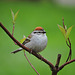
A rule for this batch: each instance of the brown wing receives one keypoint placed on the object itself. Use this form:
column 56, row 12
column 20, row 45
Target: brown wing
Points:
column 27, row 39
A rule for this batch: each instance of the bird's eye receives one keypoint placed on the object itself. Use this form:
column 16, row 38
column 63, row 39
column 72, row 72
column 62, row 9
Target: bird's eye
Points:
column 39, row 32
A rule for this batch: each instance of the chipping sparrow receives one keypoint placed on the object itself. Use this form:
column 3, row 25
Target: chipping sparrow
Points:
column 36, row 41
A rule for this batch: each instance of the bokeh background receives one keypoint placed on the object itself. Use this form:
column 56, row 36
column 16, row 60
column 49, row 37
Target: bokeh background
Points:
column 33, row 13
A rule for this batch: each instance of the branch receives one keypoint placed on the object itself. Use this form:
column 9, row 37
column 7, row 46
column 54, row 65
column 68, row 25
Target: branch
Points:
column 69, row 45
column 58, row 61
column 27, row 49
column 57, row 65
column 62, row 66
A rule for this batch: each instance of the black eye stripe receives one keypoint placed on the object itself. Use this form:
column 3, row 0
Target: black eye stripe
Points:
column 39, row 32
column 44, row 32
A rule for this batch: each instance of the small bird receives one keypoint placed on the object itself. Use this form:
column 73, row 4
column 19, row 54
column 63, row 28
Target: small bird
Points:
column 36, row 41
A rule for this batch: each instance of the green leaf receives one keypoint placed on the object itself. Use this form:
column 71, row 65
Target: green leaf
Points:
column 22, row 40
column 68, row 31
column 16, row 15
column 12, row 17
column 62, row 30
column 12, row 14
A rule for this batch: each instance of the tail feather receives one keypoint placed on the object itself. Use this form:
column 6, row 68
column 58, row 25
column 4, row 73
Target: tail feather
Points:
column 20, row 49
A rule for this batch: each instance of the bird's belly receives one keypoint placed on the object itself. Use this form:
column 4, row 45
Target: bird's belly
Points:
column 37, row 45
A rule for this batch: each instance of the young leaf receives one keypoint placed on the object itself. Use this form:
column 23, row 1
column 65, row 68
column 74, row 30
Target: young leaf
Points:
column 12, row 14
column 68, row 31
column 62, row 30
column 16, row 15
column 22, row 40
column 12, row 17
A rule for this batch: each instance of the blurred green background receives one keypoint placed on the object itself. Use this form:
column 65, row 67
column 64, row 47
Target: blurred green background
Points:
column 33, row 14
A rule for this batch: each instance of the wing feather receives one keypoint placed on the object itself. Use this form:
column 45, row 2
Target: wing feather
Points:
column 27, row 39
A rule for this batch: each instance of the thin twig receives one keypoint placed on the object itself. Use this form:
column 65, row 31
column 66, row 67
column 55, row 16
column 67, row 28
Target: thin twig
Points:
column 69, row 56
column 13, row 32
column 13, row 29
column 70, row 52
column 30, row 63
column 63, row 23
column 61, row 67
column 67, row 44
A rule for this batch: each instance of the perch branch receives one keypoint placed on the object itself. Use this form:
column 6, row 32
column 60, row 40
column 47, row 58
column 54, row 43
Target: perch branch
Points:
column 27, row 49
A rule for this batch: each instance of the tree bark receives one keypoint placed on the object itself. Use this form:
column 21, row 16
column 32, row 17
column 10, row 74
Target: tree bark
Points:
column 54, row 73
